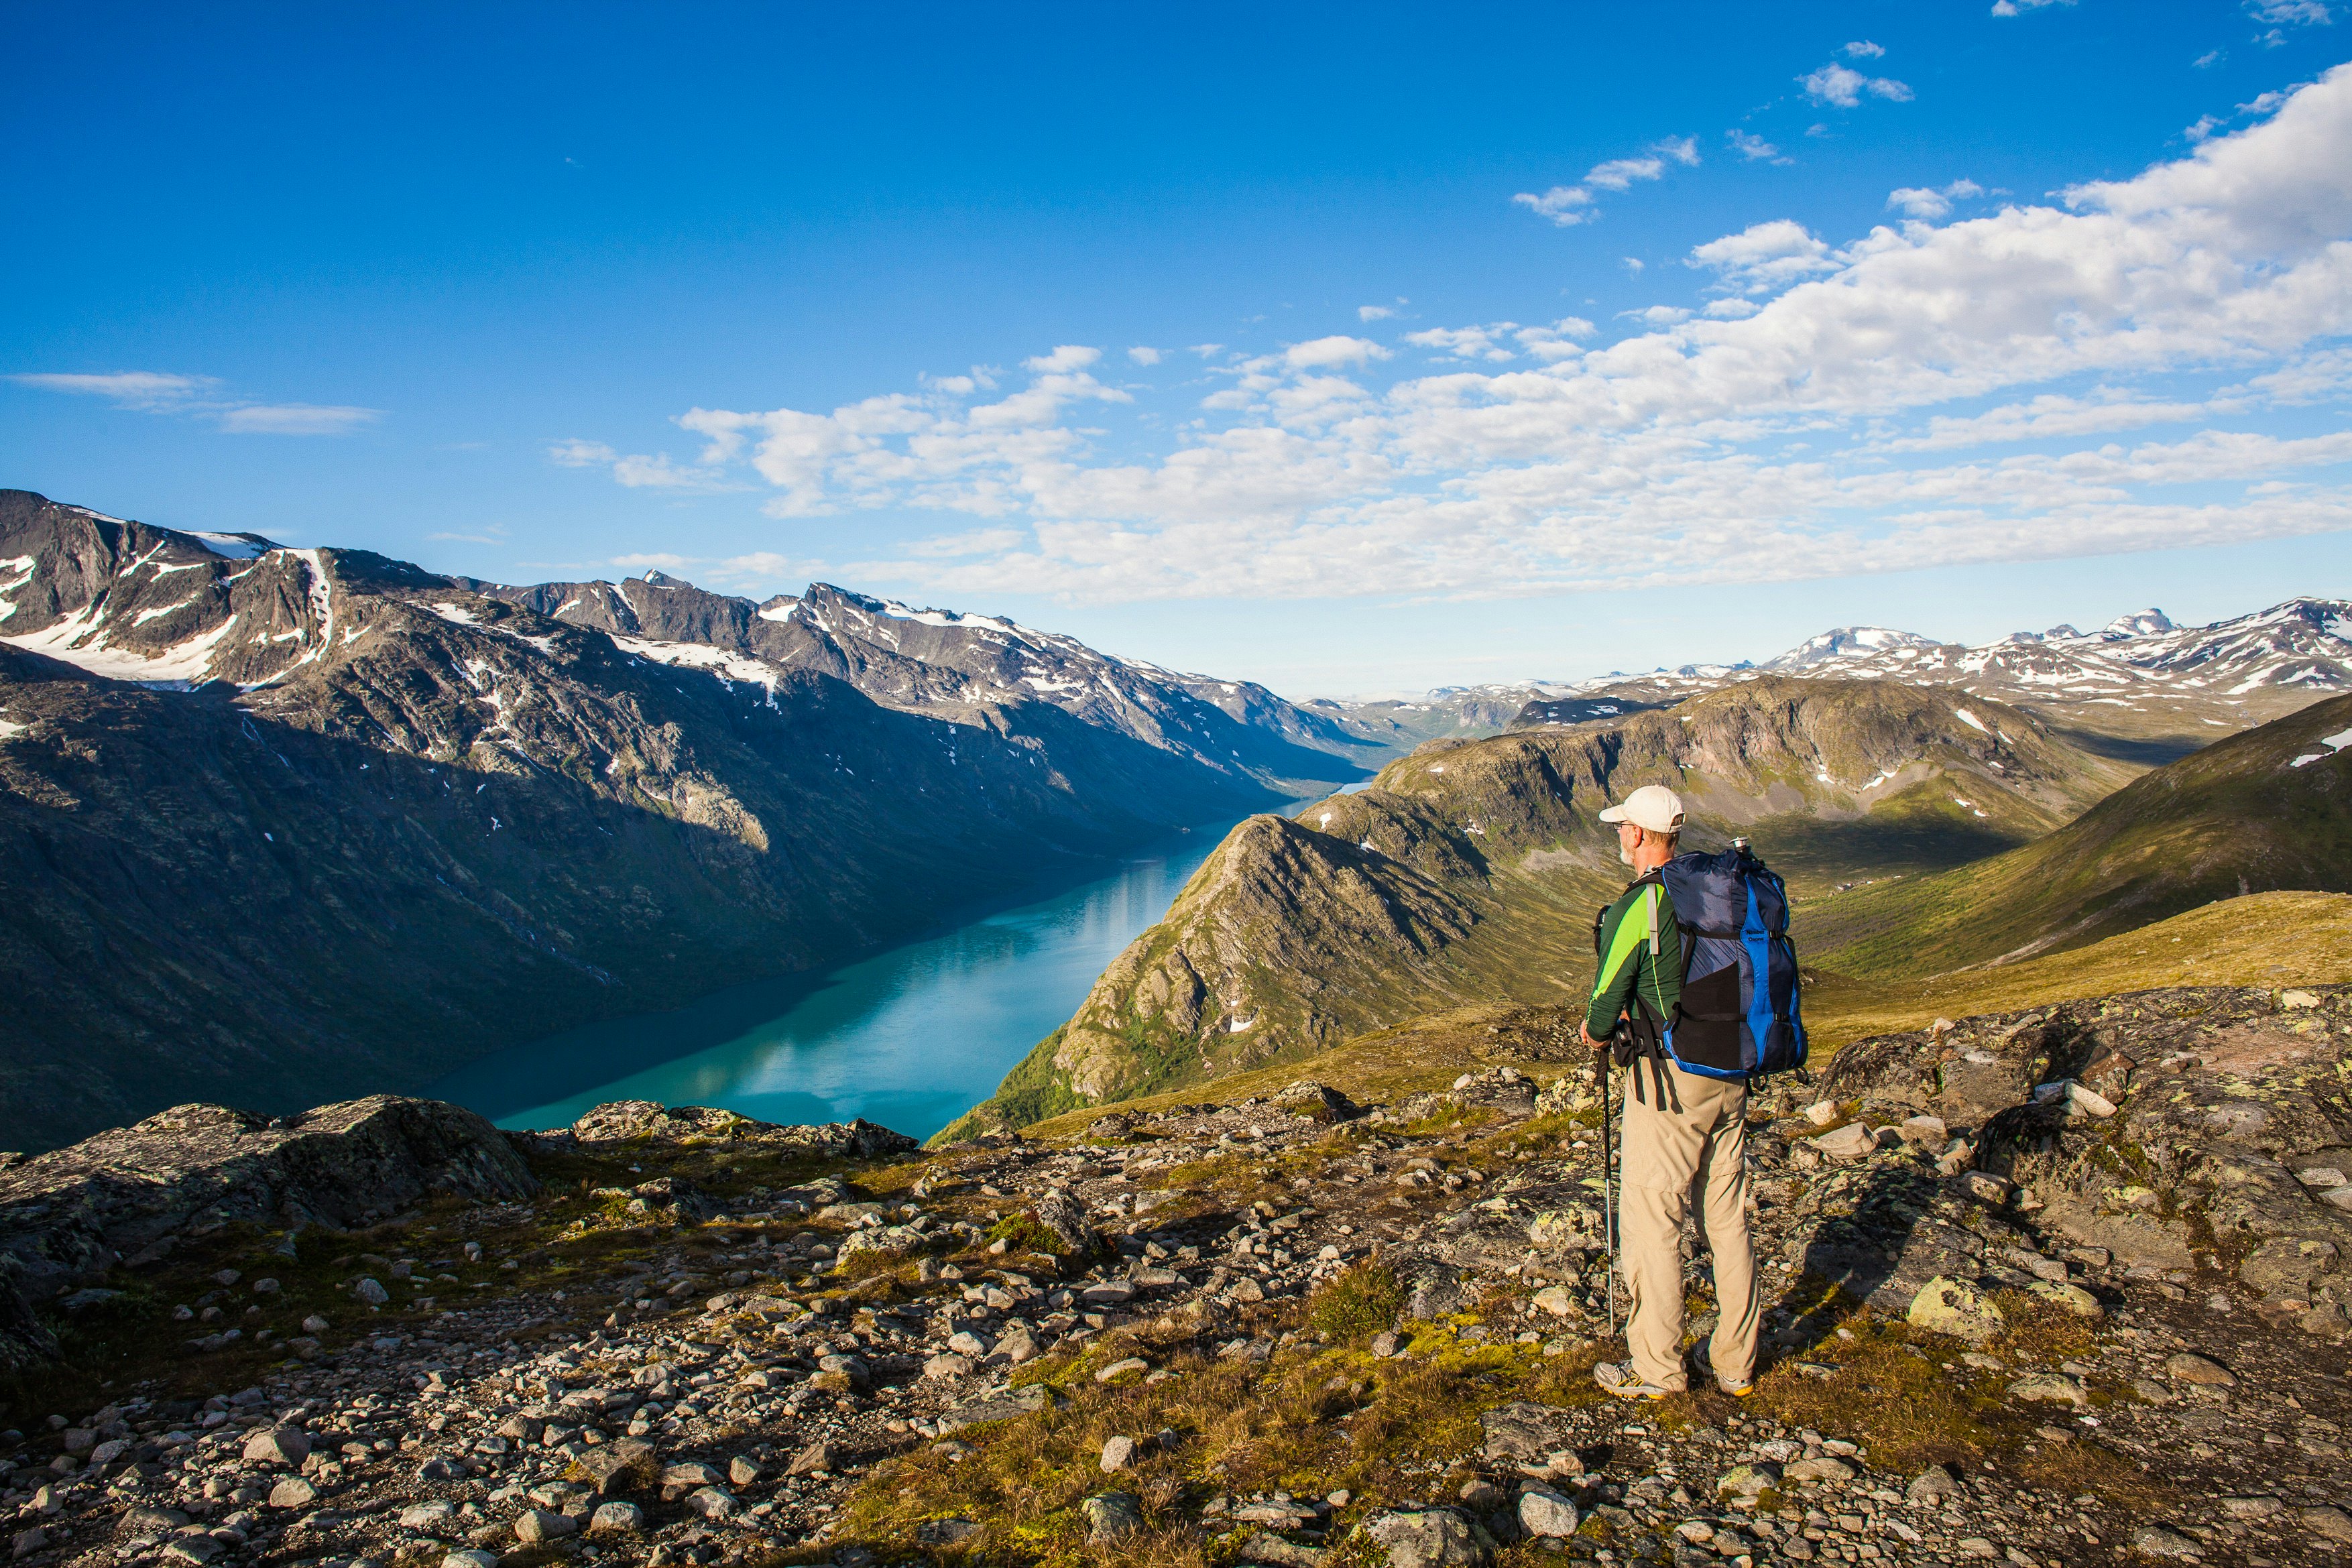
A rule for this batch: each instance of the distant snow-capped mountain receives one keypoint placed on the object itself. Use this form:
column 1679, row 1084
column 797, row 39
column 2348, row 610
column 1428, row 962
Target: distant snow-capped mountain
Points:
column 2303, row 644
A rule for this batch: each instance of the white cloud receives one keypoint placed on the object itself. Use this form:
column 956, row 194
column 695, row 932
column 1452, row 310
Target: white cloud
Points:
column 1322, row 353
column 1917, row 395
column 1844, row 86
column 2018, row 8
column 1068, row 357
column 1467, row 343
column 160, row 392
column 1765, row 257
column 2209, row 60
column 126, row 389
column 1144, row 356
column 577, row 453
column 1753, row 148
column 660, row 473
column 1920, row 203
column 1374, row 312
column 1567, row 205
column 1863, row 49
column 657, row 560
column 296, row 418
column 2291, row 13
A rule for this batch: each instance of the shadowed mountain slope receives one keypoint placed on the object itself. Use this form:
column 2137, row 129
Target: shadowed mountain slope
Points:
column 2264, row 811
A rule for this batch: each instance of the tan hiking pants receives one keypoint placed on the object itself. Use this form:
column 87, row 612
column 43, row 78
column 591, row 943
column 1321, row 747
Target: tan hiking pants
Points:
column 1685, row 1134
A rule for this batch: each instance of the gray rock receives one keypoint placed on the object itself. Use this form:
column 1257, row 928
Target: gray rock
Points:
column 713, row 1502
column 1113, row 1515
column 742, row 1472
column 368, row 1290
column 1932, row 1483
column 615, row 1517
column 535, row 1526
column 979, row 1412
column 817, row 1459
column 1118, row 1453
column 425, row 1516
column 473, row 1557
column 945, row 1532
column 1748, row 1480
column 277, row 1445
column 2051, row 1388
column 2190, row 1367
column 2254, row 1505
column 1546, row 1515
column 611, row 1465
column 1058, row 1212
column 1430, row 1538
column 1523, row 1433
column 947, row 1363
column 293, row 1492
column 2163, row 1541
column 1386, row 1343
column 1850, row 1142
column 1822, row 1468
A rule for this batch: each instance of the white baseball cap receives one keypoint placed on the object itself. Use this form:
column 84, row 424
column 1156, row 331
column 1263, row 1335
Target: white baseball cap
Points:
column 1653, row 806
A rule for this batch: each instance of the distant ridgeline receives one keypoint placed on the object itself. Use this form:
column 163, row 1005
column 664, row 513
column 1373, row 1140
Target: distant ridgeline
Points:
column 285, row 826
column 1922, row 827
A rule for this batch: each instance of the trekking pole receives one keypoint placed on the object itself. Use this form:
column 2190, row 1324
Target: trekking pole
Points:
column 1608, row 1181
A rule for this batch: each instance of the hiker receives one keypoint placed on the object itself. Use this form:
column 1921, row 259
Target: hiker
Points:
column 1682, row 1132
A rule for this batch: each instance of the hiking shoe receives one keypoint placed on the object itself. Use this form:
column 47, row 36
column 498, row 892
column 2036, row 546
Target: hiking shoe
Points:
column 1701, row 1370
column 1622, row 1382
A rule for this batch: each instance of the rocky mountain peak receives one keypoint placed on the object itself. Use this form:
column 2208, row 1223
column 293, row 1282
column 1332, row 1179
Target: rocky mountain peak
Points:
column 2149, row 622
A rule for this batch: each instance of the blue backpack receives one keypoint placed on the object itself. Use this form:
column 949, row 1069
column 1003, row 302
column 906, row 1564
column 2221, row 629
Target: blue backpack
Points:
column 1739, row 1015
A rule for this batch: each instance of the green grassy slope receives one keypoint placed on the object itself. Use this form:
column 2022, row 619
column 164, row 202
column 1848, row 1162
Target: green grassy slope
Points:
column 2238, row 816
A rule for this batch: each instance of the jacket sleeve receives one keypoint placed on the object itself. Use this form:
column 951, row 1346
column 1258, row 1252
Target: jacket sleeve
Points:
column 1624, row 951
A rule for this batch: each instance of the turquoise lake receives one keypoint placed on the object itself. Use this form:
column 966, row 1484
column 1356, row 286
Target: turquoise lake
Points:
column 912, row 1037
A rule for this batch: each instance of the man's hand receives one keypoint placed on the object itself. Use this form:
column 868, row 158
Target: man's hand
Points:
column 1585, row 1029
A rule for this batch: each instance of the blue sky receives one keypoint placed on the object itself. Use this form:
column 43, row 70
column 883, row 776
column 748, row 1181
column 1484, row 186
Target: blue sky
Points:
column 1351, row 349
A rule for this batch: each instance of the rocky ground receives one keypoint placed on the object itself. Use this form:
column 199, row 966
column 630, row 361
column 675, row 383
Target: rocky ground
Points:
column 2008, row 1322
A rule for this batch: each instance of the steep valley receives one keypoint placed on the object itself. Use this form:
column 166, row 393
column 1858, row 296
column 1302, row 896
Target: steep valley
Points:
column 279, row 825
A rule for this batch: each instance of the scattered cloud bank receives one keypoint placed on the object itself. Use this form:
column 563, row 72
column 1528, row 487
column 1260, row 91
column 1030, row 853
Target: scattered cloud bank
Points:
column 2102, row 371
column 162, row 391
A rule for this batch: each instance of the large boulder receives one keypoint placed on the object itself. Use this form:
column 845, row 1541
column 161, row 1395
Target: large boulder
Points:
column 66, row 1217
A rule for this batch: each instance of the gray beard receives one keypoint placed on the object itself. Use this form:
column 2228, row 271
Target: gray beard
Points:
column 1624, row 855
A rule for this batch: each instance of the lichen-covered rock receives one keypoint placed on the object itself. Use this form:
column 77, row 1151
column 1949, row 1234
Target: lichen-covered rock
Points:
column 1430, row 1538
column 1948, row 1306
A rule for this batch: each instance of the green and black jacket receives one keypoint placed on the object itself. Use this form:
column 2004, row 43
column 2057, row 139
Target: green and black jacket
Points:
column 1634, row 979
